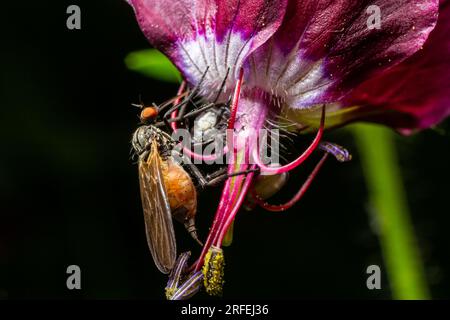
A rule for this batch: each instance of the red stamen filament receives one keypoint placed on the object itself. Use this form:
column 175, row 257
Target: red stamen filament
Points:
column 231, row 201
column 226, row 201
column 234, row 105
column 223, row 205
column 236, row 207
column 174, row 114
column 298, row 195
column 294, row 164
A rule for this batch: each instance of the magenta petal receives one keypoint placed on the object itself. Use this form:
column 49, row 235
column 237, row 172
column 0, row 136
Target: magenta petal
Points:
column 417, row 90
column 324, row 48
column 214, row 34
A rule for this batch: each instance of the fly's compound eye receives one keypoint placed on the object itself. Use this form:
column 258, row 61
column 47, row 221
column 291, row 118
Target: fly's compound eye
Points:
column 148, row 114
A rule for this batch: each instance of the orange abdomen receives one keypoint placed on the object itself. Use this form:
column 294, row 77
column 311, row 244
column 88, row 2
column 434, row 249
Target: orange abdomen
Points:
column 180, row 190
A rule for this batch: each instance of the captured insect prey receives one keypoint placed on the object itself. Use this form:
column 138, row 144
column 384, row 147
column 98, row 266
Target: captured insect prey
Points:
column 169, row 186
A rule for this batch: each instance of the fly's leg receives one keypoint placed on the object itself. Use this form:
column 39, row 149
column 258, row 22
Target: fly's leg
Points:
column 203, row 182
column 214, row 181
column 182, row 115
column 192, row 229
column 215, row 178
column 182, row 106
column 187, row 99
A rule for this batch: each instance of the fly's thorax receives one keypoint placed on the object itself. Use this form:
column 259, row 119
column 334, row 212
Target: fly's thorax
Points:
column 144, row 136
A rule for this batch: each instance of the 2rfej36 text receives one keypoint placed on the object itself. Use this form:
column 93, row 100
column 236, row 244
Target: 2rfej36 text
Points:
column 227, row 310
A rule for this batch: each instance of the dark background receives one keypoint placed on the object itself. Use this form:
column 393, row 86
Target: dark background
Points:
column 69, row 192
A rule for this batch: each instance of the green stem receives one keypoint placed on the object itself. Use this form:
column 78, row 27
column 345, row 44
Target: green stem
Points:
column 383, row 178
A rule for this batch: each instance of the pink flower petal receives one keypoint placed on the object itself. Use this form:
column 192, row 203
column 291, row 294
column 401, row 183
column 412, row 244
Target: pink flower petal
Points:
column 214, row 34
column 416, row 93
column 324, row 48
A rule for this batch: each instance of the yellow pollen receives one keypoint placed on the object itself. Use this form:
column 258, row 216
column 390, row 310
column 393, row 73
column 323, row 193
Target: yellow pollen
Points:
column 213, row 271
column 170, row 292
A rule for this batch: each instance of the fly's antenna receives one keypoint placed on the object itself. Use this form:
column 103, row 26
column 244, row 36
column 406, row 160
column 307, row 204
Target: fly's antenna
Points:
column 139, row 105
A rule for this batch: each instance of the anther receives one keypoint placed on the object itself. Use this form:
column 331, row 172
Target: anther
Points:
column 213, row 271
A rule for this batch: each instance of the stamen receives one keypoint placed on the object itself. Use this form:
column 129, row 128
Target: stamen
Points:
column 340, row 153
column 176, row 274
column 231, row 198
column 225, row 199
column 236, row 207
column 234, row 105
column 213, row 271
column 298, row 195
column 223, row 205
column 190, row 287
column 174, row 125
column 299, row 160
column 234, row 200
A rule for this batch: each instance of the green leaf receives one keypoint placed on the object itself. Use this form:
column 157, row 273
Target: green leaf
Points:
column 152, row 63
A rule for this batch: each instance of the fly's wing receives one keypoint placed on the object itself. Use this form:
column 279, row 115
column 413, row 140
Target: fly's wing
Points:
column 158, row 218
